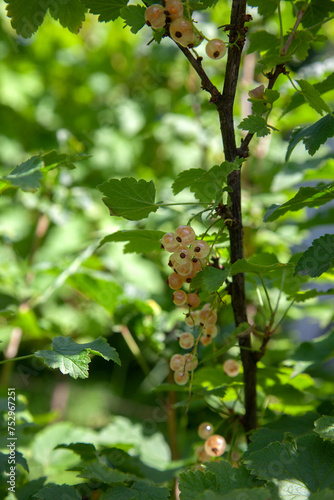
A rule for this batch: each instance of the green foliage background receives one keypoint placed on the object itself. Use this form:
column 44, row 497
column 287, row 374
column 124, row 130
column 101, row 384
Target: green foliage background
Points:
column 116, row 107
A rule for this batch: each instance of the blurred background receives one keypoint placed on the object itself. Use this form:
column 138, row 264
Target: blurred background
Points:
column 133, row 109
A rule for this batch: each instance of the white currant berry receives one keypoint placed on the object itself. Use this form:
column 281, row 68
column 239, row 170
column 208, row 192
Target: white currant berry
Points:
column 179, row 297
column 206, row 339
column 186, row 234
column 207, row 316
column 205, row 430
column 171, row 261
column 181, row 377
column 177, row 362
column 191, row 362
column 169, row 242
column 182, row 254
column 175, row 281
column 188, row 278
column 200, row 249
column 215, row 445
column 231, row 367
column 186, row 340
column 185, row 268
column 193, row 300
column 198, row 264
column 211, row 330
column 190, row 319
column 173, row 9
column 182, row 32
column 155, row 16
column 215, row 48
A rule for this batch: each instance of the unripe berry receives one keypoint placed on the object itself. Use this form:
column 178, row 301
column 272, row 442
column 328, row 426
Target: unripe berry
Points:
column 177, row 362
column 205, row 430
column 169, row 242
column 193, row 300
column 155, row 16
column 200, row 248
column 186, row 234
column 175, row 281
column 191, row 362
column 215, row 445
column 186, row 340
column 215, row 48
column 231, row 367
column 182, row 254
column 179, row 297
column 173, row 9
column 185, row 268
column 182, row 32
column 181, row 377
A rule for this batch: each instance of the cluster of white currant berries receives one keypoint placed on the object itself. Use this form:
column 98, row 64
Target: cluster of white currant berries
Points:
column 181, row 30
column 214, row 446
column 189, row 256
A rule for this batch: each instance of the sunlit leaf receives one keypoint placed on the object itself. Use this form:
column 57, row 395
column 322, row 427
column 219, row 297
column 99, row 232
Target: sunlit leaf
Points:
column 324, row 426
column 318, row 258
column 139, row 240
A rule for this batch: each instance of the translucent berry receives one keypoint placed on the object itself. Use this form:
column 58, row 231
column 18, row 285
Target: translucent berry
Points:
column 169, row 242
column 186, row 340
column 179, row 297
column 182, row 254
column 190, row 276
column 185, row 268
column 177, row 362
column 173, row 9
column 198, row 264
column 182, row 32
column 215, row 48
column 206, row 339
column 207, row 316
column 190, row 319
column 191, row 362
column 205, row 430
column 215, row 445
column 181, row 377
column 171, row 261
column 175, row 281
column 231, row 367
column 200, row 248
column 211, row 330
column 155, row 16
column 186, row 234
column 193, row 300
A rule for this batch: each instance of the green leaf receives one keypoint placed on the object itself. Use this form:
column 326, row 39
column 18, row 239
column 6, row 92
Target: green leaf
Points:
column 318, row 258
column 100, row 472
column 139, row 240
column 19, row 458
column 129, row 198
column 312, row 96
column 244, row 266
column 210, row 278
column 55, row 492
column 324, row 426
column 271, row 95
column 106, row 10
column 301, row 44
column 26, row 17
column 311, row 294
column 72, row 358
column 313, row 136
column 27, row 175
column 296, row 468
column 149, row 491
column 306, row 197
column 322, row 495
column 120, row 493
column 263, row 41
column 255, row 124
column 86, row 451
column 70, row 14
column 202, row 4
column 315, row 351
column 134, row 16
column 191, row 484
column 204, row 184
column 264, row 7
column 99, row 290
column 298, row 98
column 316, row 12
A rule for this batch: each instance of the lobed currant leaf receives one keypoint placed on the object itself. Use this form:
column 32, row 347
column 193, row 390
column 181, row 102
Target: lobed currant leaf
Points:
column 318, row 258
